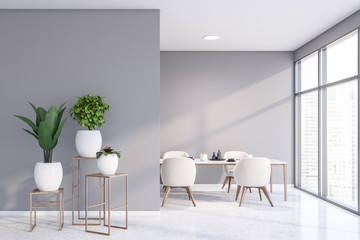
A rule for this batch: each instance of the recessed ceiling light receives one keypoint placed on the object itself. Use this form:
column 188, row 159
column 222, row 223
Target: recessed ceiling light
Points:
column 211, row 37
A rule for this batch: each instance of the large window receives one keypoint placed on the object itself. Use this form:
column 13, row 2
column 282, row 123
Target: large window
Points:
column 307, row 70
column 326, row 107
column 342, row 142
column 307, row 106
column 341, row 59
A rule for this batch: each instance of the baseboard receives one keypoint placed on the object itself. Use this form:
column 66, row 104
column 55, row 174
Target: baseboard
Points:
column 234, row 184
column 69, row 213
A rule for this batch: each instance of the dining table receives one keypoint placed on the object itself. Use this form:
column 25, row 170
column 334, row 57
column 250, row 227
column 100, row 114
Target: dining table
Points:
column 273, row 162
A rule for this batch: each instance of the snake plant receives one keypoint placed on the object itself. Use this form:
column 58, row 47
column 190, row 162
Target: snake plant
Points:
column 47, row 128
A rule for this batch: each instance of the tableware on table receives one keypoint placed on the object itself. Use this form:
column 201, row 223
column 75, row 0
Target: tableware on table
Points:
column 217, row 159
column 203, row 156
column 219, row 155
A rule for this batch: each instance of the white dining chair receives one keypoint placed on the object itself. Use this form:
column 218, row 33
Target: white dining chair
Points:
column 229, row 175
column 175, row 154
column 252, row 172
column 178, row 173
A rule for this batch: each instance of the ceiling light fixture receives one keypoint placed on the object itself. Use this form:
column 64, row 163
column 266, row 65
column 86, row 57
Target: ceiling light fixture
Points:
column 211, row 37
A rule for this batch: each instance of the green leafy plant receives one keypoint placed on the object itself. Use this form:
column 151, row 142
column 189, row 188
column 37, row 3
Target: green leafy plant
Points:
column 47, row 128
column 106, row 151
column 89, row 111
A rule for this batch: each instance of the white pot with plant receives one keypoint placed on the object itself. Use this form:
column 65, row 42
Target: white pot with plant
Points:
column 107, row 161
column 88, row 112
column 47, row 128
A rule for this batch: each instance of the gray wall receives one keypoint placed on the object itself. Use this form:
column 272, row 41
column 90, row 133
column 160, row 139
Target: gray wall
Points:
column 347, row 25
column 52, row 56
column 228, row 101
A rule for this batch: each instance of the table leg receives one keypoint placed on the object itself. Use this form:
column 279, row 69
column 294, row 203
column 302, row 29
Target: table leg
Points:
column 285, row 181
column 270, row 178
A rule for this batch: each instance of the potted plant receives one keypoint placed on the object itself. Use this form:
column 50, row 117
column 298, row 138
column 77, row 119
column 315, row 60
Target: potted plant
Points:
column 107, row 160
column 88, row 112
column 47, row 129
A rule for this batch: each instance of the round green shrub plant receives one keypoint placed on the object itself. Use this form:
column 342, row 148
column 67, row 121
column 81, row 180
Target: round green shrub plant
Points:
column 89, row 111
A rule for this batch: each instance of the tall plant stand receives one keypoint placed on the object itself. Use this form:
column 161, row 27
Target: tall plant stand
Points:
column 105, row 203
column 76, row 192
column 34, row 205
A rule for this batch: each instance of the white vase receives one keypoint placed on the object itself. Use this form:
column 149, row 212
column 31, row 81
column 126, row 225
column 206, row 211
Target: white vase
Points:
column 108, row 164
column 48, row 176
column 88, row 142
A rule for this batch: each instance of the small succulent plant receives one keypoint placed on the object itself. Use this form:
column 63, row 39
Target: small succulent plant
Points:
column 106, row 151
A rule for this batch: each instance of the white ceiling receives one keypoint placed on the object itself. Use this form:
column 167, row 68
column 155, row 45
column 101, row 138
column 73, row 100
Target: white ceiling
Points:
column 243, row 25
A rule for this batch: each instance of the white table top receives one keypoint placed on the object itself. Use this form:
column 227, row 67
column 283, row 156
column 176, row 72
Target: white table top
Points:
column 214, row 162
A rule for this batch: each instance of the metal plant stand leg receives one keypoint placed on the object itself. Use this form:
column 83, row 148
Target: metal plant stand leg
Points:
column 105, row 203
column 76, row 191
column 34, row 205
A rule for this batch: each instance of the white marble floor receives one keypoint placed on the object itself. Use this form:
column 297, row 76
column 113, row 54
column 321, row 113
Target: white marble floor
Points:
column 217, row 216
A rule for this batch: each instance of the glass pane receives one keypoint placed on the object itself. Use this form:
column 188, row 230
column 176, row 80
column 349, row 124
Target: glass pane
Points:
column 307, row 129
column 307, row 73
column 341, row 58
column 342, row 141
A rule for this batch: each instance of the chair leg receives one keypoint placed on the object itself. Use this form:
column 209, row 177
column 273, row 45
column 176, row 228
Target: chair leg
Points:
column 260, row 194
column 187, row 190
column 167, row 191
column 267, row 195
column 224, row 182
column 237, row 192
column 242, row 195
column 230, row 180
column 191, row 195
column 250, row 190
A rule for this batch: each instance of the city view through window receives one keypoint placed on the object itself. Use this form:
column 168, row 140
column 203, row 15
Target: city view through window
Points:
column 327, row 121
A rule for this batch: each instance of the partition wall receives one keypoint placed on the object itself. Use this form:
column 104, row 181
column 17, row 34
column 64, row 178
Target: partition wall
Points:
column 327, row 122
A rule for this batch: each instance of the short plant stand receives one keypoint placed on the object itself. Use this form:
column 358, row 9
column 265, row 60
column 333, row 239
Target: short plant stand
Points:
column 105, row 202
column 34, row 205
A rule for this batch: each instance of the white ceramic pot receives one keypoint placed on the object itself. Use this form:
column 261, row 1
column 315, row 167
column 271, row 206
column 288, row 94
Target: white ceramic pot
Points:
column 88, row 142
column 48, row 176
column 108, row 164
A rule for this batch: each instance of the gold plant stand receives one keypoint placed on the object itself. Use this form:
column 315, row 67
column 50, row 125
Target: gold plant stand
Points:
column 105, row 203
column 34, row 205
column 76, row 191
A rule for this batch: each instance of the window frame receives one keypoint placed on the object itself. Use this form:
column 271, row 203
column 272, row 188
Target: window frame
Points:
column 322, row 167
